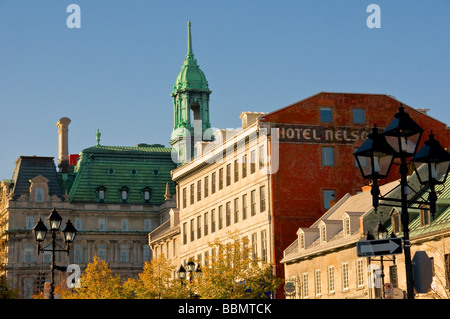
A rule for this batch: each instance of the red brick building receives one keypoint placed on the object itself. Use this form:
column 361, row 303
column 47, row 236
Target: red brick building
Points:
column 317, row 139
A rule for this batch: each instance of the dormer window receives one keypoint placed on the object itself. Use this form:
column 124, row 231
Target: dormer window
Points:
column 323, row 234
column 425, row 217
column 124, row 194
column 346, row 225
column 39, row 191
column 395, row 221
column 101, row 193
column 301, row 240
column 146, row 193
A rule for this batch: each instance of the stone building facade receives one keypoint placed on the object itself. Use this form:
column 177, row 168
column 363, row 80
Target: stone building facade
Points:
column 113, row 195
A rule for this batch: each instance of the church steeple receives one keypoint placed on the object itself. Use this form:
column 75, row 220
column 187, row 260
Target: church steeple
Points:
column 191, row 106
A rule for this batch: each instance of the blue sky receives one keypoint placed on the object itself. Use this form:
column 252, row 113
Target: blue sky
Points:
column 117, row 71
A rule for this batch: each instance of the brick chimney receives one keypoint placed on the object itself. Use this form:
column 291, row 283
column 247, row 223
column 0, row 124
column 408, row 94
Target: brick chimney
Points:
column 63, row 142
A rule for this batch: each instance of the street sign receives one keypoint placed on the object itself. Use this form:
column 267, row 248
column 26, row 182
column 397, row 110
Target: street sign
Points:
column 379, row 247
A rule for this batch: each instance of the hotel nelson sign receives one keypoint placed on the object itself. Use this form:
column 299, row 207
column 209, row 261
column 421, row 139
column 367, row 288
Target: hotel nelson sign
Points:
column 316, row 134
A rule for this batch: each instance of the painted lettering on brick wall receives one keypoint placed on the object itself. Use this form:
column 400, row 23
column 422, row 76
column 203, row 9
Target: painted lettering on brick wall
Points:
column 315, row 134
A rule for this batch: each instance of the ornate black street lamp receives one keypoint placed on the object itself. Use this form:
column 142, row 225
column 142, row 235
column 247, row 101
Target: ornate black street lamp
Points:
column 400, row 140
column 437, row 165
column 40, row 231
column 182, row 274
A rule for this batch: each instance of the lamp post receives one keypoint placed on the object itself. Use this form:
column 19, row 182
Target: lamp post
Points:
column 190, row 268
column 400, row 140
column 40, row 231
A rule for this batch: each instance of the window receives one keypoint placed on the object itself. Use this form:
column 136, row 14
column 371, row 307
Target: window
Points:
column 213, row 183
column 328, row 156
column 101, row 194
column 253, row 202
column 264, row 246
column 174, row 247
column 236, row 210
column 124, row 194
column 192, row 194
column 78, row 254
column 236, row 171
column 146, row 255
column 199, row 227
column 326, row 114
column 393, row 276
column 396, row 221
column 329, row 196
column 318, row 282
column 148, row 225
column 199, row 190
column 345, row 284
column 47, row 256
column 346, row 226
column 252, row 161
column 29, row 253
column 205, row 223
column 213, row 220
column 301, row 240
column 184, row 233
column 39, row 194
column 359, row 116
column 206, row 190
column 228, row 174
column 101, row 224
column 228, row 213
column 220, row 217
column 425, row 216
column 124, row 254
column 101, row 252
column 330, row 279
column 244, row 166
column 79, row 224
column 124, row 223
column 184, row 197
column 262, row 158
column 244, row 206
column 30, row 222
column 220, row 178
column 262, row 198
column 323, row 234
column 192, row 230
column 206, row 258
column 255, row 245
column 359, row 273
column 305, row 285
column 147, row 194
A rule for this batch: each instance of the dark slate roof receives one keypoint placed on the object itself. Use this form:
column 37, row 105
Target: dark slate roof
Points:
column 28, row 167
column 116, row 166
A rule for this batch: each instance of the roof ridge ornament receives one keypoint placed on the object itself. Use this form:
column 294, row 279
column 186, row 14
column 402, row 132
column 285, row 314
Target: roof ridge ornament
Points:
column 97, row 136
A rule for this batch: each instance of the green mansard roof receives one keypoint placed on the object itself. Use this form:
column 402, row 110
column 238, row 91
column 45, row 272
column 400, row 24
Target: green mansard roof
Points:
column 114, row 167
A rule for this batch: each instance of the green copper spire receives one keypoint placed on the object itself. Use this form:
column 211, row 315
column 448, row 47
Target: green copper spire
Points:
column 191, row 105
column 190, row 54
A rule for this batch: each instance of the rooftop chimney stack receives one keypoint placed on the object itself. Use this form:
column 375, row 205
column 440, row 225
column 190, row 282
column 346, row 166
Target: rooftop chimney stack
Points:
column 63, row 137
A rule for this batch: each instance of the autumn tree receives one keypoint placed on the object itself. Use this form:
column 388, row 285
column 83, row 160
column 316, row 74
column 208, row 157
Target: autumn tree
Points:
column 233, row 272
column 155, row 282
column 98, row 282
